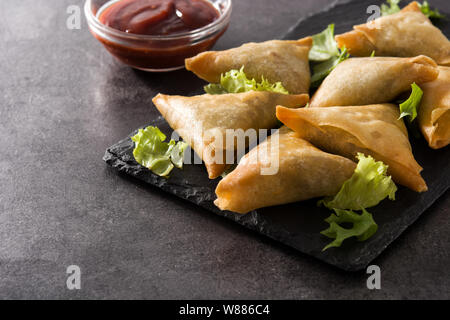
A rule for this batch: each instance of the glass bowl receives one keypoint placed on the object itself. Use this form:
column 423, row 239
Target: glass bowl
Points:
column 156, row 53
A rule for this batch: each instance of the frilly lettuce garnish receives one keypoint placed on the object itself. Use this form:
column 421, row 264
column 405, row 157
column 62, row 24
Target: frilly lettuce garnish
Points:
column 324, row 46
column 323, row 69
column 215, row 88
column 432, row 14
column 177, row 153
column 392, row 6
column 153, row 153
column 363, row 227
column 236, row 81
column 409, row 107
column 325, row 55
column 368, row 186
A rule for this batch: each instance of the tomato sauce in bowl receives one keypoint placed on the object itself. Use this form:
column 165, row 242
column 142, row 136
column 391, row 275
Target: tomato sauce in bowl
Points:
column 157, row 35
column 159, row 17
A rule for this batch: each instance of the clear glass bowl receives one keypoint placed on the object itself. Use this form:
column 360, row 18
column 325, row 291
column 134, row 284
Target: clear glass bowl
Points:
column 156, row 53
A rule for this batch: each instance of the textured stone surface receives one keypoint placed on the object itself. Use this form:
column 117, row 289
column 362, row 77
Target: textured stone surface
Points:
column 298, row 225
column 64, row 100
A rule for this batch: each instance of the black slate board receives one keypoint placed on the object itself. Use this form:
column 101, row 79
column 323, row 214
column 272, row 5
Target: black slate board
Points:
column 298, row 225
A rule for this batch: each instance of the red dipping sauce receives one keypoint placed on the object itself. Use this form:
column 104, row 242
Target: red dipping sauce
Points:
column 157, row 35
column 159, row 17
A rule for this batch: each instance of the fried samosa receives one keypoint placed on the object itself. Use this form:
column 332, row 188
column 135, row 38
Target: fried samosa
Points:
column 202, row 121
column 434, row 110
column 408, row 33
column 302, row 172
column 282, row 61
column 372, row 130
column 361, row 81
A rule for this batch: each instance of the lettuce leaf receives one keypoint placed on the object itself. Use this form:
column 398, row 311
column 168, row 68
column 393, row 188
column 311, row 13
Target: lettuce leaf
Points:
column 392, row 7
column 432, row 14
column 215, row 88
column 265, row 85
column 177, row 154
column 363, row 227
column 324, row 46
column 236, row 81
column 325, row 55
column 323, row 69
column 153, row 153
column 368, row 186
column 409, row 107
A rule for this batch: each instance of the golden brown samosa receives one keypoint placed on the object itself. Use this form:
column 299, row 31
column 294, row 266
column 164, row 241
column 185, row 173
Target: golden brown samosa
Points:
column 282, row 61
column 202, row 121
column 434, row 110
column 361, row 81
column 408, row 33
column 374, row 130
column 304, row 172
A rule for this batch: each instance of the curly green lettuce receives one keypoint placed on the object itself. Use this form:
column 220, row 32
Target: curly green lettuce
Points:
column 324, row 46
column 362, row 227
column 323, row 69
column 392, row 6
column 236, row 81
column 409, row 107
column 432, row 14
column 153, row 153
column 177, row 154
column 325, row 55
column 367, row 187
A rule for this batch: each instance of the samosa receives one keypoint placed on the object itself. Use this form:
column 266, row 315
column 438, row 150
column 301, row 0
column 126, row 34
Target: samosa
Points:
column 408, row 33
column 374, row 130
column 284, row 61
column 203, row 121
column 303, row 172
column 434, row 110
column 361, row 81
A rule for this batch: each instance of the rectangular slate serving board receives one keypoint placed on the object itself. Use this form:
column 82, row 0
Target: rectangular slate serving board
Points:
column 298, row 225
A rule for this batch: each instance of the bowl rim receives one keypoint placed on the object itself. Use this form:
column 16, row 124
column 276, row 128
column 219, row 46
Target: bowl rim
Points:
column 209, row 28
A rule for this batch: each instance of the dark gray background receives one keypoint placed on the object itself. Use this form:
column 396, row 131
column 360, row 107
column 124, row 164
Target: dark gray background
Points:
column 64, row 100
